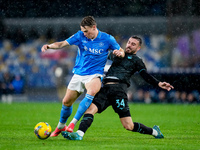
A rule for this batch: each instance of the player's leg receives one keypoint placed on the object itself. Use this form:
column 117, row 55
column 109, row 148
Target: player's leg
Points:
column 120, row 105
column 84, row 125
column 128, row 124
column 68, row 100
column 87, row 119
column 75, row 88
column 92, row 87
column 99, row 104
column 66, row 111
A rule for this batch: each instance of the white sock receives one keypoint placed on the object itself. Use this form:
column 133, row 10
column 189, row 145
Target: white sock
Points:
column 74, row 121
column 81, row 133
column 154, row 133
column 60, row 125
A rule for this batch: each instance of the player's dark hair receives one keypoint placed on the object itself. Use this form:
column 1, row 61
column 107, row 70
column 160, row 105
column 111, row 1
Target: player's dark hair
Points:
column 88, row 21
column 137, row 38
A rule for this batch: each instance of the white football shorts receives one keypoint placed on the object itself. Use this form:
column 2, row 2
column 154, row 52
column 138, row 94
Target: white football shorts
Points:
column 78, row 82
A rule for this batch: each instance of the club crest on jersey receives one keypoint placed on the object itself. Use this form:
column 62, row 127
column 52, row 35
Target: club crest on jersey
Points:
column 129, row 57
column 85, row 48
column 101, row 44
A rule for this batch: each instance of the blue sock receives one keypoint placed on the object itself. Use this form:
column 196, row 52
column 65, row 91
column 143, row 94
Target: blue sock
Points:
column 83, row 106
column 65, row 113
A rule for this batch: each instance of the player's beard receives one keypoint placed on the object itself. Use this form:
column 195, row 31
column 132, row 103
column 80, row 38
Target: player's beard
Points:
column 130, row 51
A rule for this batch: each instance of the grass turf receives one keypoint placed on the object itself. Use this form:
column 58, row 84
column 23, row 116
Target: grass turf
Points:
column 180, row 125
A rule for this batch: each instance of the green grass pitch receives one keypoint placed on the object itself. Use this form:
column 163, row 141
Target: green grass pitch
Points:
column 180, row 125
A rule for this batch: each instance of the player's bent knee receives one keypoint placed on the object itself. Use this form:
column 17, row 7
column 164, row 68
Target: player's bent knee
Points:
column 127, row 123
column 92, row 109
column 128, row 126
column 67, row 103
column 92, row 92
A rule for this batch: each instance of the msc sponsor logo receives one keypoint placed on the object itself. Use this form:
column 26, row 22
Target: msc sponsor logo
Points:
column 93, row 50
column 96, row 51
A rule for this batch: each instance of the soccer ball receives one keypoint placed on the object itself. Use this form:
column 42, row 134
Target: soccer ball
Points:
column 42, row 130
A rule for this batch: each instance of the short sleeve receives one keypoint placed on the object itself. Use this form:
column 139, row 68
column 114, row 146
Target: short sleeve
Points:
column 113, row 43
column 74, row 39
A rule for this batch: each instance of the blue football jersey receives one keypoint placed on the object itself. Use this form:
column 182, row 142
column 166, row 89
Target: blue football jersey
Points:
column 92, row 54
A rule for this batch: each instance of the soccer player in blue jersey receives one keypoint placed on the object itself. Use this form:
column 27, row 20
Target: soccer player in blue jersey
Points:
column 113, row 93
column 93, row 46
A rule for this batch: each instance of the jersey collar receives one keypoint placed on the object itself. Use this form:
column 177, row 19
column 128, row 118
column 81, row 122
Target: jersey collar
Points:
column 99, row 34
column 130, row 56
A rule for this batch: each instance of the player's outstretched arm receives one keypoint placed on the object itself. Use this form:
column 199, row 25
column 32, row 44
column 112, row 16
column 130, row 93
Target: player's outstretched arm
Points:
column 119, row 53
column 55, row 45
column 153, row 81
column 165, row 85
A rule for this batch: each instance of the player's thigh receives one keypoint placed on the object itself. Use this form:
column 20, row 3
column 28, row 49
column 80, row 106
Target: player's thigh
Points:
column 93, row 86
column 101, row 100
column 70, row 97
column 120, row 104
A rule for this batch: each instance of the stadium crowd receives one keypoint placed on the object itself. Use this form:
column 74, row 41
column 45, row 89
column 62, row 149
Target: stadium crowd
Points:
column 20, row 56
column 33, row 9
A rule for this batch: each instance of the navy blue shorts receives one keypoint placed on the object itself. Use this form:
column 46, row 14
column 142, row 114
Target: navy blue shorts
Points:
column 114, row 95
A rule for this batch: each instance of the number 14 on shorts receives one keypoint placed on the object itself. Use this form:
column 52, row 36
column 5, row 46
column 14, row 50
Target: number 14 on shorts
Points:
column 120, row 103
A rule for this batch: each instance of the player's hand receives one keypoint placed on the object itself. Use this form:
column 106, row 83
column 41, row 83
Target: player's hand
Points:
column 44, row 48
column 165, row 86
column 118, row 53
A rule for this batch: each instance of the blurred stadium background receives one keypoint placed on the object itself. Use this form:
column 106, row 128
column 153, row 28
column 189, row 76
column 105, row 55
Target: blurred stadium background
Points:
column 170, row 30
